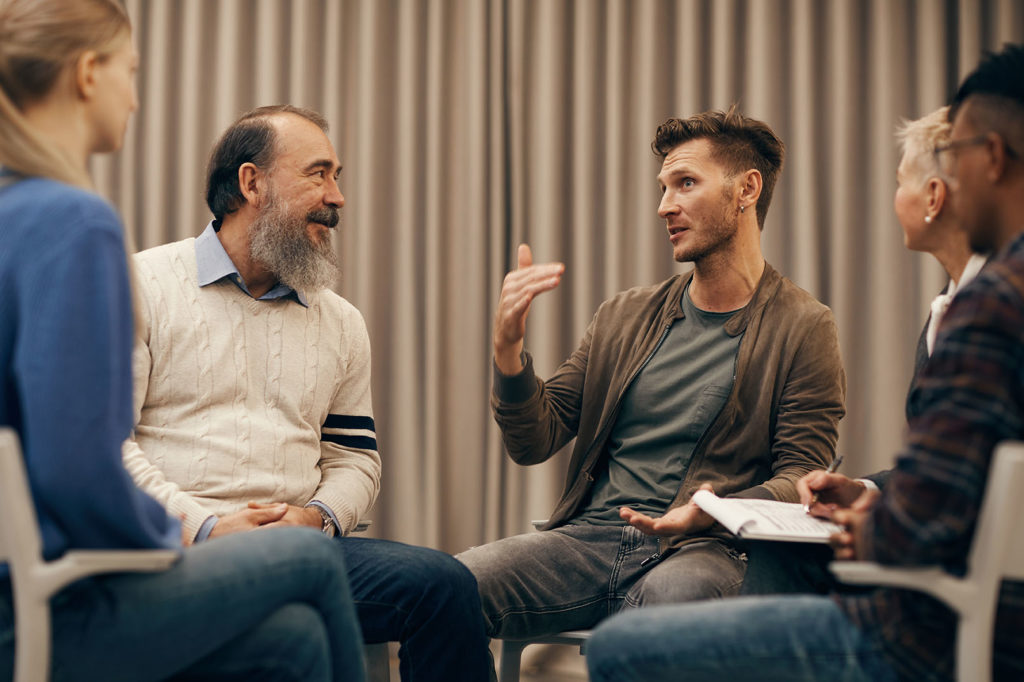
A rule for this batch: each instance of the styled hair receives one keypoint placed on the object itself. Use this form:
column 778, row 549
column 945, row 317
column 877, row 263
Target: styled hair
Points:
column 39, row 39
column 996, row 91
column 738, row 142
column 250, row 139
column 919, row 138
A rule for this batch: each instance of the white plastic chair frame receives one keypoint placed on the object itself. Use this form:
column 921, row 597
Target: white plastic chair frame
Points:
column 33, row 580
column 997, row 553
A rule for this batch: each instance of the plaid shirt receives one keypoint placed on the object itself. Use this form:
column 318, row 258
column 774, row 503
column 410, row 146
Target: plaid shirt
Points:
column 968, row 398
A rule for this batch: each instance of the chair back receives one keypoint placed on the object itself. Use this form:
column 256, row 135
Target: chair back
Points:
column 998, row 549
column 20, row 543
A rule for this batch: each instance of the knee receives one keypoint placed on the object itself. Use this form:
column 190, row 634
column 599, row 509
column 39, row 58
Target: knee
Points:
column 295, row 644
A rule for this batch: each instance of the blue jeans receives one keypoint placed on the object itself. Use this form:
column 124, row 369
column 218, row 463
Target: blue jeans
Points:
column 762, row 639
column 574, row 576
column 268, row 605
column 424, row 599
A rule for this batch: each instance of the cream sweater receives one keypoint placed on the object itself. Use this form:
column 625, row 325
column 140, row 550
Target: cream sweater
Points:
column 239, row 400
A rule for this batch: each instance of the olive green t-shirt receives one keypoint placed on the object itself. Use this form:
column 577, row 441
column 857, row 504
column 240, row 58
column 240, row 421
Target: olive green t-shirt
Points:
column 663, row 414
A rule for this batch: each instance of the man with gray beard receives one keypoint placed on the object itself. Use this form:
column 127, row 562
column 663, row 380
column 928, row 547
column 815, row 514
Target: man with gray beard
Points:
column 252, row 389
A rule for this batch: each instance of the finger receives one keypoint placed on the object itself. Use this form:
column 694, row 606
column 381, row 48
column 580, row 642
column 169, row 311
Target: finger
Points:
column 269, row 513
column 706, row 486
column 524, row 256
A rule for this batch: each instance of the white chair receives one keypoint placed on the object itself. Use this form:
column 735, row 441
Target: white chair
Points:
column 997, row 553
column 512, row 650
column 33, row 580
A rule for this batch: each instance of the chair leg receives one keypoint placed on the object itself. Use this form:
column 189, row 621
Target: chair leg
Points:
column 511, row 658
column 378, row 662
column 32, row 641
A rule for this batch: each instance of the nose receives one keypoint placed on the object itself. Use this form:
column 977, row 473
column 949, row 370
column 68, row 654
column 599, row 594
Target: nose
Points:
column 668, row 205
column 334, row 197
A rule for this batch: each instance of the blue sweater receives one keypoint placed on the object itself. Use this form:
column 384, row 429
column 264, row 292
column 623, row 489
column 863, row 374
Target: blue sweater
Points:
column 65, row 355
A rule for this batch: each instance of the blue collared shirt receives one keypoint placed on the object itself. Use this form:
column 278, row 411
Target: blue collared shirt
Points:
column 212, row 265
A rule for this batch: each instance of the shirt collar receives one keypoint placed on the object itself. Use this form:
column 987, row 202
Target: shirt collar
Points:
column 213, row 264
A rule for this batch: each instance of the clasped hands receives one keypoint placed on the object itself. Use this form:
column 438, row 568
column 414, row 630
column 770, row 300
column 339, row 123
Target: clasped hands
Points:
column 843, row 500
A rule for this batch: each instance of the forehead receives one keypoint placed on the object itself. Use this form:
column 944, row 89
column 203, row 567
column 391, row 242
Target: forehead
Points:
column 692, row 156
column 301, row 143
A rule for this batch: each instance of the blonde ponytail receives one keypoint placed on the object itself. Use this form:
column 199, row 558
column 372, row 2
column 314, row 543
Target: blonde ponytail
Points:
column 38, row 40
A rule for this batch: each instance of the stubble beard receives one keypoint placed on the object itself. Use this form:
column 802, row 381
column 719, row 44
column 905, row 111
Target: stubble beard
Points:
column 278, row 240
column 721, row 230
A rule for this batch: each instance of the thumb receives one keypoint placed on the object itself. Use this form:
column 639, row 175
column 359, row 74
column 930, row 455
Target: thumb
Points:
column 524, row 256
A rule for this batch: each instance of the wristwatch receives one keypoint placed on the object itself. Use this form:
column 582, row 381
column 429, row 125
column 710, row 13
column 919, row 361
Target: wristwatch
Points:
column 327, row 527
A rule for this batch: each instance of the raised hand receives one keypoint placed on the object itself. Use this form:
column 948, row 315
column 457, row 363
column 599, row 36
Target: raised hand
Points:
column 517, row 293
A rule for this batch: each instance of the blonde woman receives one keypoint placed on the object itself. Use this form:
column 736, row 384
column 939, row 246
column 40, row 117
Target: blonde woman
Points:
column 273, row 605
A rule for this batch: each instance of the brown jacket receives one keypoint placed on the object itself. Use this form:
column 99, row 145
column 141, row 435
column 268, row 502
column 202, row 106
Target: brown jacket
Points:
column 780, row 420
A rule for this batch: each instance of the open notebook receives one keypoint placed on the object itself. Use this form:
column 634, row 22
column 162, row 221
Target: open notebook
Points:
column 765, row 519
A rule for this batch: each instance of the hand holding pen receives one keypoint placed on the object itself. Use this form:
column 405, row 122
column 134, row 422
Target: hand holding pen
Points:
column 819, row 481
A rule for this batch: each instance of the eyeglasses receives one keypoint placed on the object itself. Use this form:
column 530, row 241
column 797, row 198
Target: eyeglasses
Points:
column 981, row 138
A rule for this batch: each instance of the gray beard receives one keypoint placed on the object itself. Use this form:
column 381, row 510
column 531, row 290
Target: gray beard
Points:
column 278, row 241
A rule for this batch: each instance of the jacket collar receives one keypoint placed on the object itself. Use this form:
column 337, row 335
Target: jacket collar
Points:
column 737, row 324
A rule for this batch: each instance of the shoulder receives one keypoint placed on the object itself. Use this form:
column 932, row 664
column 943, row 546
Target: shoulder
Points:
column 165, row 252
column 333, row 305
column 54, row 212
column 787, row 305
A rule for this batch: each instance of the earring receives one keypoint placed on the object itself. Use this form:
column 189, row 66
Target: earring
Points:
column 928, row 219
column 742, row 209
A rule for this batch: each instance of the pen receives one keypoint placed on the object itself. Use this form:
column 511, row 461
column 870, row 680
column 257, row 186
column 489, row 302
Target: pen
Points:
column 830, row 470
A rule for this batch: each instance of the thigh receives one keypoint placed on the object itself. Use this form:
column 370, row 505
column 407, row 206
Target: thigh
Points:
column 548, row 581
column 394, row 585
column 151, row 626
column 787, row 568
column 291, row 645
column 767, row 639
column 708, row 569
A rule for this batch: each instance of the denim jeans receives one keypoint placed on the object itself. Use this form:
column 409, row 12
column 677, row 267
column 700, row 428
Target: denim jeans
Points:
column 261, row 606
column 760, row 639
column 424, row 599
column 574, row 576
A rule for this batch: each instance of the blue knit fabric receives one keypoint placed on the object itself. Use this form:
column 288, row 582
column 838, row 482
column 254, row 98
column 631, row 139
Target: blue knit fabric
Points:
column 65, row 367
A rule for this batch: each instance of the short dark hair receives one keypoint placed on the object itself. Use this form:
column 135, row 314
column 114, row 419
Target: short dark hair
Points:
column 737, row 141
column 250, row 139
column 999, row 73
column 996, row 91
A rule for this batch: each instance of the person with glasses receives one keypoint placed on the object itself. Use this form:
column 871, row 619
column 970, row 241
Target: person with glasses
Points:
column 969, row 397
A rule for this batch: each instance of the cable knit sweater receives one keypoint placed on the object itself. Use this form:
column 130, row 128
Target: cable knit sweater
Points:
column 239, row 400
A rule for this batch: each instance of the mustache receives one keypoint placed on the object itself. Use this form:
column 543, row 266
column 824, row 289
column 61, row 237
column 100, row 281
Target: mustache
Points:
column 328, row 216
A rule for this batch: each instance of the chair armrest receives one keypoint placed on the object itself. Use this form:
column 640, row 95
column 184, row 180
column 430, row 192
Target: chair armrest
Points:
column 928, row 579
column 538, row 523
column 83, row 563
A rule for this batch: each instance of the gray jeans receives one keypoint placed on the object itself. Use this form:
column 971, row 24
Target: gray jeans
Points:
column 574, row 576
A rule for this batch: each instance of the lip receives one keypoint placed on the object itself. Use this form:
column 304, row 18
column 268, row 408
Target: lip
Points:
column 675, row 233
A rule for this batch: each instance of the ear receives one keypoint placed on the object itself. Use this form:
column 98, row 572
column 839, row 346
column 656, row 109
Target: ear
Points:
column 749, row 190
column 997, row 149
column 936, row 189
column 85, row 74
column 252, row 183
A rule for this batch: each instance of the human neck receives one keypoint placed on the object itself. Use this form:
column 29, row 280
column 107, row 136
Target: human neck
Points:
column 726, row 280
column 234, row 237
column 60, row 123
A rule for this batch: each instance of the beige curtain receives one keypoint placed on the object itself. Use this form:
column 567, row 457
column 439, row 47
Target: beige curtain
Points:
column 467, row 126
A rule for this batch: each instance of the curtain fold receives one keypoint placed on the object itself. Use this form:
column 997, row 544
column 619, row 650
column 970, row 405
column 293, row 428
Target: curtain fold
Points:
column 468, row 126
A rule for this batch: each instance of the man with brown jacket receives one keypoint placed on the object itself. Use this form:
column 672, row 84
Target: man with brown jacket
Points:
column 729, row 376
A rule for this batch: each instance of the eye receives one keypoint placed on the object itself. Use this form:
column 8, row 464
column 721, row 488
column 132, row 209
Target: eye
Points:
column 689, row 182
